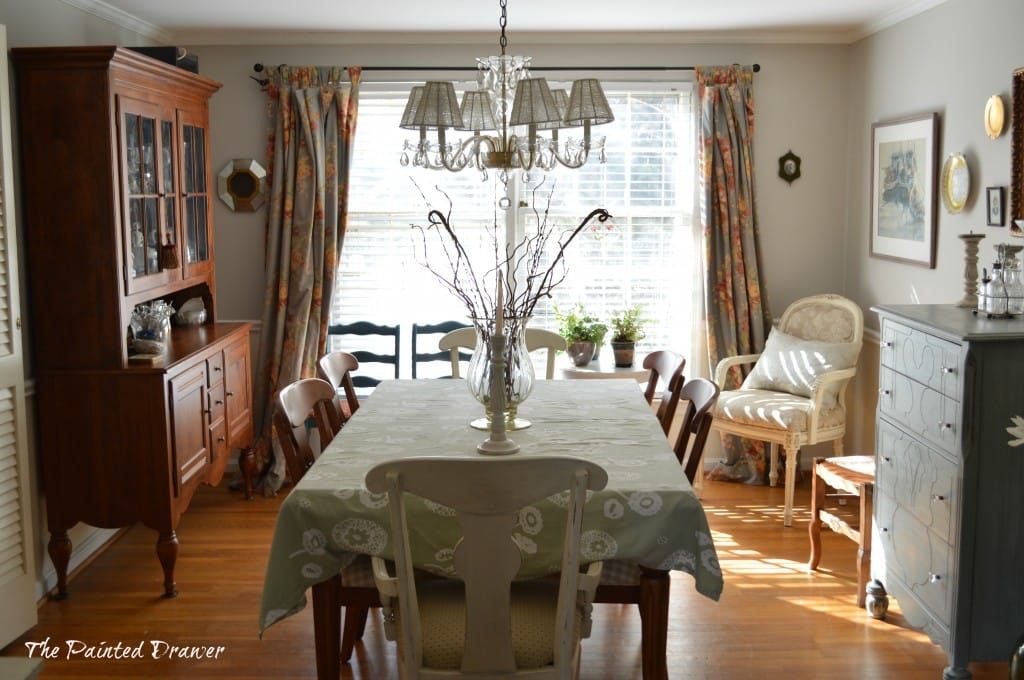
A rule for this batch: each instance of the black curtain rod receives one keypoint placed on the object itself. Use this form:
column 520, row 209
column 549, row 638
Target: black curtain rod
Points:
column 756, row 67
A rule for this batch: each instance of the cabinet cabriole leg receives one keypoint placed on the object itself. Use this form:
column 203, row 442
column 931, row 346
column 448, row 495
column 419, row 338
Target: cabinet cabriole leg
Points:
column 60, row 553
column 167, row 552
column 250, row 470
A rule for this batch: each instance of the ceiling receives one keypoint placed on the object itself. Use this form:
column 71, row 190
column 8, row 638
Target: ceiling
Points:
column 195, row 22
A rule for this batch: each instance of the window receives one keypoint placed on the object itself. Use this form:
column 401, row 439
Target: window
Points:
column 645, row 257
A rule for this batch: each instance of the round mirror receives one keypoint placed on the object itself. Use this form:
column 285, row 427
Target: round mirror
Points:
column 242, row 184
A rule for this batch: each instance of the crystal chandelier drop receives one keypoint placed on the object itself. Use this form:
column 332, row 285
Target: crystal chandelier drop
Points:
column 505, row 116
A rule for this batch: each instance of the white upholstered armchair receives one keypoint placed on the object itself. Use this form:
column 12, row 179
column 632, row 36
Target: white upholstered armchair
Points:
column 795, row 394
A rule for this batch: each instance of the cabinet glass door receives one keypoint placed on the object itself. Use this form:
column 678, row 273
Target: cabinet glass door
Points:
column 196, row 237
column 150, row 197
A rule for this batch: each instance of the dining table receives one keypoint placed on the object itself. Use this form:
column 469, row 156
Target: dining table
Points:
column 648, row 514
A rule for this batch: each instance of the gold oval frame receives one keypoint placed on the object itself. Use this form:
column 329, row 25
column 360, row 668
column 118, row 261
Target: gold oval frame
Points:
column 242, row 185
column 955, row 184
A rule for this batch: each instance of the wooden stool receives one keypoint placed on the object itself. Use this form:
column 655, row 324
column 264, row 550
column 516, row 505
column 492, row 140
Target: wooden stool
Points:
column 852, row 477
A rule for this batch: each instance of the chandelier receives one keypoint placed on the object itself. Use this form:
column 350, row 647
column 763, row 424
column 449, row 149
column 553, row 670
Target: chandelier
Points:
column 505, row 116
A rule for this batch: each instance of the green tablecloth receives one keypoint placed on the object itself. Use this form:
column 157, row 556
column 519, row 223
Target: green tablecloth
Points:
column 647, row 514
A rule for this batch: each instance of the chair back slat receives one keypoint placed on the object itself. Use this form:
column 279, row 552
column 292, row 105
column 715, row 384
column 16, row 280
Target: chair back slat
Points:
column 419, row 356
column 375, row 355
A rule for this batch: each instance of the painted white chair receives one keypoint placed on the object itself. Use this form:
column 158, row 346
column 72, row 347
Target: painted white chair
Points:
column 485, row 623
column 536, row 338
column 795, row 394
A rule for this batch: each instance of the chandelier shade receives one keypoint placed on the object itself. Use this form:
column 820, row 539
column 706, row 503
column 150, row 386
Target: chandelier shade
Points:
column 534, row 104
column 438, row 107
column 477, row 111
column 587, row 104
column 513, row 107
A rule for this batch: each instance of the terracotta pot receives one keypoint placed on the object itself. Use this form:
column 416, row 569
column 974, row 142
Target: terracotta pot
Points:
column 624, row 352
column 581, row 353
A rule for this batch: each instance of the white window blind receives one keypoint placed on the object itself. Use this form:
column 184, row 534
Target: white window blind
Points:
column 644, row 257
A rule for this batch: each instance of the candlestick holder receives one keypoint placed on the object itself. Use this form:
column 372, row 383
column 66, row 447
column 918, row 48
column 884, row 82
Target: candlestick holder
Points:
column 498, row 444
column 970, row 298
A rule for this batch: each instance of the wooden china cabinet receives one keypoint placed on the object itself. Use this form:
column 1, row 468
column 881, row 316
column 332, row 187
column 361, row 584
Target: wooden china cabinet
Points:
column 114, row 166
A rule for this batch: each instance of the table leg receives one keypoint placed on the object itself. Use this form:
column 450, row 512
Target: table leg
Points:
column 327, row 628
column 654, row 592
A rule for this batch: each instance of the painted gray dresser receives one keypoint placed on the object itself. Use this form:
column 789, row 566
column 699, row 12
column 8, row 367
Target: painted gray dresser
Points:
column 949, row 486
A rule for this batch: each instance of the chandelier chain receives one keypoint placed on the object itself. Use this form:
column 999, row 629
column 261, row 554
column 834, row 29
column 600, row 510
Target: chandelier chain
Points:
column 503, row 41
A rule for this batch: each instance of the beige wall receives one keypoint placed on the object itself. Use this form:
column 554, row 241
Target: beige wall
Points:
column 948, row 60
column 800, row 95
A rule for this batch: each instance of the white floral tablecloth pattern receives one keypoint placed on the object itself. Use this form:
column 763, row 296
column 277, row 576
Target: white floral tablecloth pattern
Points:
column 647, row 514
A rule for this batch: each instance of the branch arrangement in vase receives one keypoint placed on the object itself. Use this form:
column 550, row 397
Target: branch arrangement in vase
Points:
column 526, row 279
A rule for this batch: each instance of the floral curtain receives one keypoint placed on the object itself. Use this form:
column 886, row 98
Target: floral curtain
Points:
column 735, row 303
column 311, row 128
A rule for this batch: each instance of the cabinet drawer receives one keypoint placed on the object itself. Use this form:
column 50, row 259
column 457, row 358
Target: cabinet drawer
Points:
column 923, row 480
column 920, row 409
column 927, row 359
column 215, row 369
column 923, row 563
column 215, row 409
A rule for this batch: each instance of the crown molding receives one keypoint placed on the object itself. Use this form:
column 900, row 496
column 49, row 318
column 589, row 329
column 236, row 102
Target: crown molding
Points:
column 198, row 37
column 894, row 17
column 118, row 17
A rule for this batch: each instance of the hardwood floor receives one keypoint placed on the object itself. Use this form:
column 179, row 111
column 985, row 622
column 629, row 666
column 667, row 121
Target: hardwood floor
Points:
column 774, row 619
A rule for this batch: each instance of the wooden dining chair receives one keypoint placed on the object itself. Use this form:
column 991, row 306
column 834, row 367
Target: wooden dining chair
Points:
column 623, row 582
column 294, row 405
column 336, row 368
column 667, row 367
column 700, row 396
column 420, row 355
column 485, row 623
column 378, row 345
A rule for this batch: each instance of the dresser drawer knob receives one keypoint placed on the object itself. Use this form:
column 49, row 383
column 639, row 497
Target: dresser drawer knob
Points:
column 885, row 393
column 885, row 530
column 946, row 370
column 938, row 498
column 218, row 402
column 231, row 394
column 886, row 459
column 934, row 578
column 945, row 426
column 886, row 344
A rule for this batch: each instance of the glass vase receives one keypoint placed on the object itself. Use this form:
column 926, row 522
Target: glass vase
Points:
column 519, row 375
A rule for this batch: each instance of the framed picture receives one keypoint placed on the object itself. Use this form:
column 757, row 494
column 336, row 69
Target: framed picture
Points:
column 994, row 201
column 903, row 178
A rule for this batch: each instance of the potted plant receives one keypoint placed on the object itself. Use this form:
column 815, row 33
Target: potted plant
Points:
column 627, row 328
column 583, row 332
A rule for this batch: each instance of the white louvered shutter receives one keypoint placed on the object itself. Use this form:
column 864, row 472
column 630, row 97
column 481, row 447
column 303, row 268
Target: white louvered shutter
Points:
column 17, row 573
